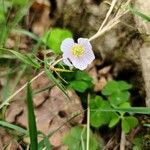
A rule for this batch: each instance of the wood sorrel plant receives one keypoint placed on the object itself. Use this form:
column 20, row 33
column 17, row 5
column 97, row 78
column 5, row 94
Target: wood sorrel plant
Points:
column 116, row 96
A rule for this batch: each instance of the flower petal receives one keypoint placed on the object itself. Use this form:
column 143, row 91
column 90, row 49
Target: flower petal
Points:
column 88, row 56
column 85, row 43
column 66, row 45
column 79, row 63
column 66, row 61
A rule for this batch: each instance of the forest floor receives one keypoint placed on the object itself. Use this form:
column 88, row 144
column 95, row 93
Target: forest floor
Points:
column 121, row 65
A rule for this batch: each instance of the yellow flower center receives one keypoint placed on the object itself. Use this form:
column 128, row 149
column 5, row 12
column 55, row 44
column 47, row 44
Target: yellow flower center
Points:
column 77, row 50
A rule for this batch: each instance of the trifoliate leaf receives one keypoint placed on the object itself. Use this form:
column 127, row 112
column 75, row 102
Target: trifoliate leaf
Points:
column 119, row 98
column 98, row 102
column 122, row 85
column 79, row 86
column 111, row 87
column 114, row 121
column 80, row 75
column 98, row 117
column 54, row 37
column 78, row 80
column 125, row 105
column 129, row 123
column 115, row 87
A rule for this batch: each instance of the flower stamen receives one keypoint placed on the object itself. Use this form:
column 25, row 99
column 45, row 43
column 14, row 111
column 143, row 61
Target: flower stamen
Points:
column 77, row 50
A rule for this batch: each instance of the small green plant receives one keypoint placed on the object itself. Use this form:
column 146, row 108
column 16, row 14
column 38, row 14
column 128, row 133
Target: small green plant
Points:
column 117, row 96
column 78, row 80
column 54, row 37
column 76, row 139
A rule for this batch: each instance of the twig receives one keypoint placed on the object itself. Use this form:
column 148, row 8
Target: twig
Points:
column 122, row 141
column 112, row 22
column 104, row 30
column 6, row 102
column 108, row 14
column 105, row 20
column 82, row 139
column 88, row 125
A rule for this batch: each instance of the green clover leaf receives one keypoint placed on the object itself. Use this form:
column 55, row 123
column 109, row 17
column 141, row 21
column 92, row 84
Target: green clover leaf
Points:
column 115, row 87
column 129, row 123
column 119, row 98
column 54, row 37
column 79, row 86
column 99, row 118
column 115, row 119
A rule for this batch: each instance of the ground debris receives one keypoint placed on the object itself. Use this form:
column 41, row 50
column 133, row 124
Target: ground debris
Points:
column 52, row 112
column 7, row 141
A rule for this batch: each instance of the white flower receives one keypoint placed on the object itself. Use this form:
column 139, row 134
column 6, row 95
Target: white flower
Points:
column 79, row 54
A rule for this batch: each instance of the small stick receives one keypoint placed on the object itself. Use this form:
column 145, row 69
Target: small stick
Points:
column 108, row 14
column 122, row 141
column 103, row 28
column 88, row 125
column 6, row 102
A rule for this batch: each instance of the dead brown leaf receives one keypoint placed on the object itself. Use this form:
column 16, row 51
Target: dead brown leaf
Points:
column 7, row 141
column 100, row 84
column 105, row 70
column 51, row 114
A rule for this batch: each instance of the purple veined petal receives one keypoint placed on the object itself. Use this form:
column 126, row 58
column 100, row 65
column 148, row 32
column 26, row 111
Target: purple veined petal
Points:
column 88, row 56
column 66, row 45
column 83, row 62
column 66, row 61
column 79, row 63
column 85, row 43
